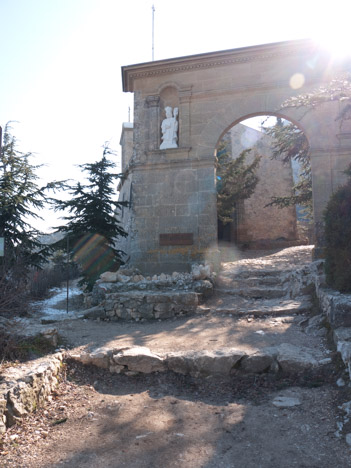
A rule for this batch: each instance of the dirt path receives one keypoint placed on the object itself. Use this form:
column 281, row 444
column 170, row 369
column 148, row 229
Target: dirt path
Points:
column 169, row 421
column 102, row 420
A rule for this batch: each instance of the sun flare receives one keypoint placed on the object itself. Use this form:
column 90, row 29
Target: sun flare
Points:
column 331, row 28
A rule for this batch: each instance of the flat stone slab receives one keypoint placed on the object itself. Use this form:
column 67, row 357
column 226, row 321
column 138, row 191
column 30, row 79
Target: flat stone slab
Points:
column 220, row 362
column 140, row 360
column 280, row 308
column 294, row 359
column 286, row 402
column 255, row 292
column 285, row 357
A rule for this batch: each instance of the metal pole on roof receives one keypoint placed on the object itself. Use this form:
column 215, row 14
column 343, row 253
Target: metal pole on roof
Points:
column 153, row 32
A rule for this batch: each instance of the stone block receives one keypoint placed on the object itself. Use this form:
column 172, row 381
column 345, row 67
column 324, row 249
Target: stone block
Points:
column 140, row 359
column 94, row 312
column 292, row 359
column 256, row 363
column 109, row 277
column 189, row 299
column 342, row 334
column 157, row 298
column 146, row 311
column 163, row 310
column 100, row 357
column 220, row 362
column 344, row 348
column 341, row 311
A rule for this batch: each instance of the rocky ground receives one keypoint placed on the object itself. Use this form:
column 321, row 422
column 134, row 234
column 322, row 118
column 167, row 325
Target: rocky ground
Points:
column 268, row 420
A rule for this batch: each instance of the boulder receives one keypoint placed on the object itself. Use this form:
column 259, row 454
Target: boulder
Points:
column 256, row 363
column 109, row 277
column 94, row 312
column 292, row 359
column 140, row 359
column 200, row 272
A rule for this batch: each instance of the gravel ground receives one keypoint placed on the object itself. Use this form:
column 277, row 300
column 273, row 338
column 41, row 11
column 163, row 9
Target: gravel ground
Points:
column 98, row 420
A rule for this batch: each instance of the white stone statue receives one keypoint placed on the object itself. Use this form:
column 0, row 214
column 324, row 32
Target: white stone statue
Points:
column 169, row 129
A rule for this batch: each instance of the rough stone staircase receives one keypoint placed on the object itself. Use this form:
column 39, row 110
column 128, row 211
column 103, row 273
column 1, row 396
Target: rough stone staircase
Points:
column 267, row 300
column 244, row 289
column 251, row 289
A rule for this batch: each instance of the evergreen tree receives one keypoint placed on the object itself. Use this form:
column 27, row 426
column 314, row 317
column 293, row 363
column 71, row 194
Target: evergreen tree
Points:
column 236, row 181
column 337, row 218
column 92, row 220
column 338, row 89
column 290, row 143
column 20, row 199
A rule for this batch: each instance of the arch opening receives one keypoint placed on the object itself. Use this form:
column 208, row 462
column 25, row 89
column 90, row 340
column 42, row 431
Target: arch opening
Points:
column 276, row 210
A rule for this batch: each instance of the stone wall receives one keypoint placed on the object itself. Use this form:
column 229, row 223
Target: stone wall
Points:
column 126, row 143
column 335, row 307
column 128, row 295
column 256, row 221
column 25, row 387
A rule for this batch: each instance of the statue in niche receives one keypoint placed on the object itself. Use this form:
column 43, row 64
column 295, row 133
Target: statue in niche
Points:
column 169, row 129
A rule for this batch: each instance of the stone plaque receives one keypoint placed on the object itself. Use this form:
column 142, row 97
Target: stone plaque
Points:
column 177, row 239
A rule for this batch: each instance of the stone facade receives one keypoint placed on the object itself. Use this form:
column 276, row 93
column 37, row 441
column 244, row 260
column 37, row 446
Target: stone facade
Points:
column 173, row 191
column 257, row 224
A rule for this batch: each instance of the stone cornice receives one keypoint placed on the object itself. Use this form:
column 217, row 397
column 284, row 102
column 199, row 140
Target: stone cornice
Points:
column 215, row 59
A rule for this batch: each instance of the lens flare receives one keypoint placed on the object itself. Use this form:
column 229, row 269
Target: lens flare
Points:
column 297, row 81
column 94, row 255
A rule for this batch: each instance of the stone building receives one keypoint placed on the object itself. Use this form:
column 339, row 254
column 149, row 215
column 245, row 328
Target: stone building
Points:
column 254, row 224
column 172, row 220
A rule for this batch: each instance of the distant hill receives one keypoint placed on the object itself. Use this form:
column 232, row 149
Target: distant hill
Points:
column 48, row 239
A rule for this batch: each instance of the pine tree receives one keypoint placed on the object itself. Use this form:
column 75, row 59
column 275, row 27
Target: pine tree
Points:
column 20, row 199
column 290, row 143
column 92, row 221
column 337, row 218
column 236, row 181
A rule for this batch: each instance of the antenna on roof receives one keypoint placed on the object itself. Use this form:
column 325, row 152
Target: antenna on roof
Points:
column 153, row 30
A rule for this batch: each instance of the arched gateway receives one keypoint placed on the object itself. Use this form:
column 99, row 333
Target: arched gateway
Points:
column 172, row 220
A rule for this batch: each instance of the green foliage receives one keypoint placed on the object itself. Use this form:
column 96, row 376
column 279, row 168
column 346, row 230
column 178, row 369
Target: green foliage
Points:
column 92, row 225
column 337, row 218
column 338, row 89
column 290, row 143
column 236, row 181
column 20, row 198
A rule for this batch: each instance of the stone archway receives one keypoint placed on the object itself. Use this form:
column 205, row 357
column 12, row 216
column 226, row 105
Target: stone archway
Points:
column 172, row 218
column 254, row 222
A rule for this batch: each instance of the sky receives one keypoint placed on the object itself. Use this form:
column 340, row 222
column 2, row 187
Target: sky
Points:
column 60, row 61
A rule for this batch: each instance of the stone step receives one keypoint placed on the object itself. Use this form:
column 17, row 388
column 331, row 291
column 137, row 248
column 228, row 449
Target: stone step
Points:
column 255, row 293
column 259, row 308
column 282, row 359
column 226, row 282
column 257, row 272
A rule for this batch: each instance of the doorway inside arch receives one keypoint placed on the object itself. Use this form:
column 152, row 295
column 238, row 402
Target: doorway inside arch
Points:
column 278, row 212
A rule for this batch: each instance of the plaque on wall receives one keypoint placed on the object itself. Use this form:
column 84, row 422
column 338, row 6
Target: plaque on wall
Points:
column 177, row 239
